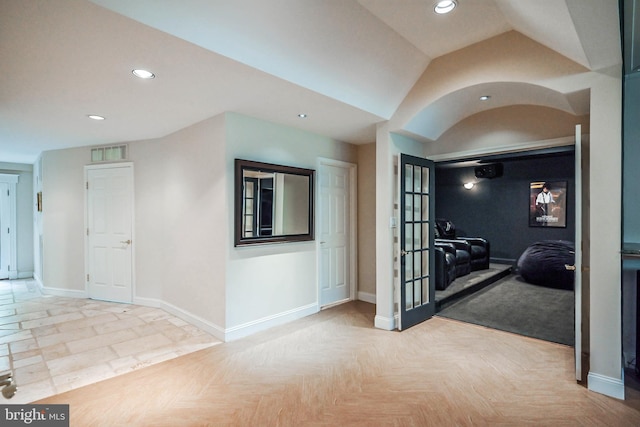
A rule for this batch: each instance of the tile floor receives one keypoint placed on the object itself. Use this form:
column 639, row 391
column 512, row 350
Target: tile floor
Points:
column 54, row 344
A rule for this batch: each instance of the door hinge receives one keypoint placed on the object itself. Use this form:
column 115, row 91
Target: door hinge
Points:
column 87, row 231
column 87, row 185
column 8, row 193
column 87, row 277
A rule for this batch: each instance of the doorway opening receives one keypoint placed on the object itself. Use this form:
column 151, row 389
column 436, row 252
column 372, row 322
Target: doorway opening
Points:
column 497, row 209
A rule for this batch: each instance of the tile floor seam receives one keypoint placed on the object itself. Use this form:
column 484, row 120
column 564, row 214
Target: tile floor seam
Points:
column 43, row 353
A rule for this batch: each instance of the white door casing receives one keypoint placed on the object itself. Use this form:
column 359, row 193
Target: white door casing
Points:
column 581, row 277
column 336, row 232
column 109, row 232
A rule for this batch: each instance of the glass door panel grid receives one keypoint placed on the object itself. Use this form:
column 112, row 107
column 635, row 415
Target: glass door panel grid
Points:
column 416, row 242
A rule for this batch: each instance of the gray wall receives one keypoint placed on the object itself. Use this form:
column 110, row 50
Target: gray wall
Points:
column 498, row 209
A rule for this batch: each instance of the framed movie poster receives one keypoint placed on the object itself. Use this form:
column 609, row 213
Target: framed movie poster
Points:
column 548, row 204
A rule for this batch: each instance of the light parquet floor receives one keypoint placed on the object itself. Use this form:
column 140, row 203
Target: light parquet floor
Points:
column 335, row 369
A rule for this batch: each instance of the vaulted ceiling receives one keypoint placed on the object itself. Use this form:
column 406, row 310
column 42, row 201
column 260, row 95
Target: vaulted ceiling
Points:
column 346, row 64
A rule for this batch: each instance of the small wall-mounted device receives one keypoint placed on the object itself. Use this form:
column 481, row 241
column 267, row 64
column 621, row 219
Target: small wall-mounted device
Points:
column 493, row 170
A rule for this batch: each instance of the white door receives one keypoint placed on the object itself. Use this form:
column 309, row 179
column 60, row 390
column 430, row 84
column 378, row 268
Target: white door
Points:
column 109, row 233
column 5, row 241
column 334, row 233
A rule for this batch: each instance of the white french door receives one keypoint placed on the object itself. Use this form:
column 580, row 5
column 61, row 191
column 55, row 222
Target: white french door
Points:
column 110, row 232
column 336, row 228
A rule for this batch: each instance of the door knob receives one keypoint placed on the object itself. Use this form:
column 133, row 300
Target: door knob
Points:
column 128, row 242
column 570, row 267
column 403, row 253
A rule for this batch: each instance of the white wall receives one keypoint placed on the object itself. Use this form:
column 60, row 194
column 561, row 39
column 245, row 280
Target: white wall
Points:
column 388, row 147
column 184, row 258
column 63, row 221
column 605, row 263
column 367, row 222
column 267, row 284
column 180, row 224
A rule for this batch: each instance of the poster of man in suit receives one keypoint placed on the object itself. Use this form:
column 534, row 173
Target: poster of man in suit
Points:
column 548, row 204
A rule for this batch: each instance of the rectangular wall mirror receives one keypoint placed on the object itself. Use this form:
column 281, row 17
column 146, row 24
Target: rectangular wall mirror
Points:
column 273, row 203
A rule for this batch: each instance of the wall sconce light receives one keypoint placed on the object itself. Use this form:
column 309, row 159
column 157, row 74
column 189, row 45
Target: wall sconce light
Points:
column 469, row 185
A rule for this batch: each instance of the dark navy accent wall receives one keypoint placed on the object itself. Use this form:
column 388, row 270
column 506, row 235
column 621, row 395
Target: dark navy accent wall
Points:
column 498, row 209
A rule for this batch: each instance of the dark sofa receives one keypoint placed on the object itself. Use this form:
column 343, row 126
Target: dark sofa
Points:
column 479, row 248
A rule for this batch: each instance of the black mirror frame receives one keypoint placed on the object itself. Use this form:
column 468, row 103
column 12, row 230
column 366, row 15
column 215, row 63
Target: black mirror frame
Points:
column 240, row 166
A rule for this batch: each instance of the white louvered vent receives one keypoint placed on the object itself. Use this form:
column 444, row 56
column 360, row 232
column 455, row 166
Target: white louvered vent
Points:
column 109, row 154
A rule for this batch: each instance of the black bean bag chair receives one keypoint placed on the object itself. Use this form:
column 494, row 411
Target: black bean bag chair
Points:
column 543, row 263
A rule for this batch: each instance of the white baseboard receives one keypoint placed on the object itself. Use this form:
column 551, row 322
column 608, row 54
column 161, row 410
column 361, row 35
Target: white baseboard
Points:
column 219, row 332
column 386, row 323
column 25, row 274
column 367, row 297
column 38, row 281
column 258, row 325
column 612, row 387
column 61, row 292
column 197, row 321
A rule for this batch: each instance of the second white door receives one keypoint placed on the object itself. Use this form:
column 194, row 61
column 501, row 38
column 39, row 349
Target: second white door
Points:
column 334, row 233
column 109, row 233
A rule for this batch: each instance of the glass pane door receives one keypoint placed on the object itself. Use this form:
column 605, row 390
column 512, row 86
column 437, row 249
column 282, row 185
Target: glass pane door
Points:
column 417, row 284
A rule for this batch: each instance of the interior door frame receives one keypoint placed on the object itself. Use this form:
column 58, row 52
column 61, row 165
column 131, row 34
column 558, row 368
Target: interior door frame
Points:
column 353, row 224
column 582, row 253
column 12, row 181
column 87, row 168
column 581, row 297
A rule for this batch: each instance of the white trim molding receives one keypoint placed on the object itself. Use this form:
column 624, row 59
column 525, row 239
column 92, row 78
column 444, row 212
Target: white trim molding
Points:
column 367, row 297
column 504, row 149
column 386, row 323
column 62, row 292
column 209, row 327
column 258, row 325
column 25, row 274
column 612, row 387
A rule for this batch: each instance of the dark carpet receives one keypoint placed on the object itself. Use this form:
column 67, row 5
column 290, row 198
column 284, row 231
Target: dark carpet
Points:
column 513, row 305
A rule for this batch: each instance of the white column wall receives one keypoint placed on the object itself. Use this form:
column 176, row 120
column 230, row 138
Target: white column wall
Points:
column 605, row 209
column 273, row 283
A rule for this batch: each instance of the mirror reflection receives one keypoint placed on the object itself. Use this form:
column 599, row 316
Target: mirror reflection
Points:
column 273, row 203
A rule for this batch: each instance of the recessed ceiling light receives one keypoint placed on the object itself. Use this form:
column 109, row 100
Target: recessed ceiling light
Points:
column 143, row 74
column 469, row 185
column 302, row 115
column 485, row 97
column 95, row 117
column 444, row 6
